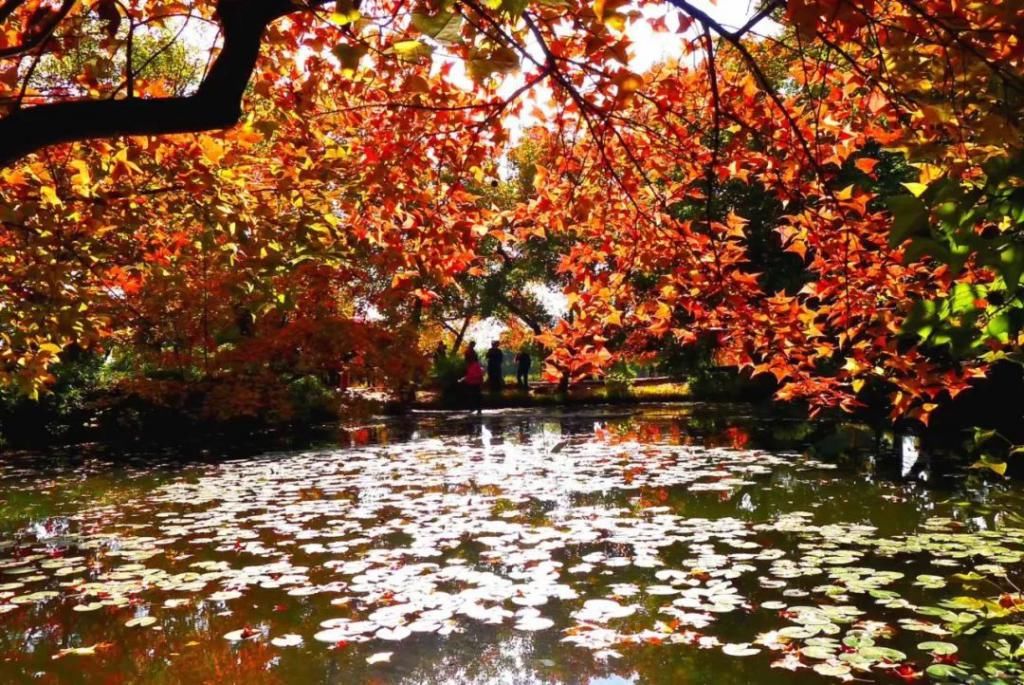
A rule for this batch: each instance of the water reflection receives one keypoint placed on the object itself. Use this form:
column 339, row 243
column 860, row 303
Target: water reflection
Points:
column 674, row 545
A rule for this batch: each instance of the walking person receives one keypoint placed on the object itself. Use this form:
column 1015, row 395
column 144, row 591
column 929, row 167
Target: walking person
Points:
column 495, row 360
column 523, row 362
column 474, row 380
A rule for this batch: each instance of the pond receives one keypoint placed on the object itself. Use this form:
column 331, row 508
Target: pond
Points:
column 674, row 544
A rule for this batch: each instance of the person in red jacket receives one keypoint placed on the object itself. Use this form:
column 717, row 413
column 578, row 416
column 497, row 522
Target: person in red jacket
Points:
column 474, row 380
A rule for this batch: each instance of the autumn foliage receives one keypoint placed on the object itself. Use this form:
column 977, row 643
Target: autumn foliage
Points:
column 786, row 187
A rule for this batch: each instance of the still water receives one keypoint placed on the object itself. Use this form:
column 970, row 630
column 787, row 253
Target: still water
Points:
column 677, row 544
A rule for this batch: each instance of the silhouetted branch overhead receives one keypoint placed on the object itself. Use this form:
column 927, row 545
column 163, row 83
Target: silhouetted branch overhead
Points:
column 216, row 103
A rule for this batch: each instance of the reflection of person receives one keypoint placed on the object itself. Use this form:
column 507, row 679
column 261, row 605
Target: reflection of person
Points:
column 523, row 362
column 495, row 359
column 474, row 380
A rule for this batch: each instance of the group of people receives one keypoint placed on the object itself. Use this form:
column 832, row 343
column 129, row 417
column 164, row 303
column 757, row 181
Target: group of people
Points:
column 474, row 376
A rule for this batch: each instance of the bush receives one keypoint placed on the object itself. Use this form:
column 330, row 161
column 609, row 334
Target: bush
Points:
column 62, row 413
column 311, row 400
column 447, row 372
column 617, row 382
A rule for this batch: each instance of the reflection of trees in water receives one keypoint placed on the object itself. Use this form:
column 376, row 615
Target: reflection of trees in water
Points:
column 532, row 472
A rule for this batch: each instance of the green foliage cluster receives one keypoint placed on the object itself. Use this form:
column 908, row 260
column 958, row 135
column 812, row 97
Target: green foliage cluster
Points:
column 958, row 224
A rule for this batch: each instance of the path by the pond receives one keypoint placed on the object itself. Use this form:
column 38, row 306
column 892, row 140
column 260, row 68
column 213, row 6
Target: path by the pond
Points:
column 595, row 546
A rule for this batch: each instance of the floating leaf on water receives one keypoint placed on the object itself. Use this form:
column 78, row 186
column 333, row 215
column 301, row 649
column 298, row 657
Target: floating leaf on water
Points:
column 799, row 632
column 817, row 652
column 790, row 662
column 532, row 623
column 947, row 672
column 379, row 657
column 396, row 633
column 91, row 650
column 140, row 622
column 603, row 610
column 241, row 634
column 288, row 640
column 940, row 648
column 832, row 670
column 882, row 654
column 931, row 582
column 35, row 597
column 1009, row 629
column 740, row 649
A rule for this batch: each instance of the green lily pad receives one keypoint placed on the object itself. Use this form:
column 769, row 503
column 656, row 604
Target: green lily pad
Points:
column 882, row 654
column 816, row 652
column 940, row 648
column 832, row 670
column 946, row 672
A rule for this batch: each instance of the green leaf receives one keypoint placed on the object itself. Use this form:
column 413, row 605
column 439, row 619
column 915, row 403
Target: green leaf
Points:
column 999, row 328
column 965, row 295
column 984, row 435
column 919, row 246
column 946, row 672
column 445, row 27
column 1011, row 266
column 501, row 60
column 940, row 648
column 909, row 217
column 923, row 319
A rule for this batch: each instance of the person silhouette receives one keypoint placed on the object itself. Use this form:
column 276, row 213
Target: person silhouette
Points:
column 495, row 360
column 474, row 380
column 523, row 362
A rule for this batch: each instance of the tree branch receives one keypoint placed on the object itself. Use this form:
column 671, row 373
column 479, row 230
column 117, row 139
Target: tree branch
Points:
column 216, row 104
column 37, row 35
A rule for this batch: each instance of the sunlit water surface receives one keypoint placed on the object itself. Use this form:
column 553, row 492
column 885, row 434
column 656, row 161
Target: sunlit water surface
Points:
column 669, row 545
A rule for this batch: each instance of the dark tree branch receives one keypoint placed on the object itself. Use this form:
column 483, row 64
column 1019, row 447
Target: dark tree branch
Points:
column 7, row 8
column 216, row 104
column 37, row 35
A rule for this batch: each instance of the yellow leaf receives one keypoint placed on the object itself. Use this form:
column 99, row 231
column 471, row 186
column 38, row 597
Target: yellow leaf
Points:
column 916, row 189
column 344, row 18
column 49, row 194
column 995, row 467
column 411, row 50
column 213, row 151
column 81, row 179
column 928, row 172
